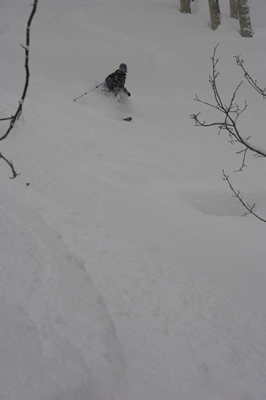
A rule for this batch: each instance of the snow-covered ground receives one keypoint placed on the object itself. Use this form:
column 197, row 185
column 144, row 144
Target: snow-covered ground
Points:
column 127, row 269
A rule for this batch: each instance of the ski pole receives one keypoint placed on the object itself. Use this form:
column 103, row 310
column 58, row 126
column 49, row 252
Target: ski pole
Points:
column 89, row 91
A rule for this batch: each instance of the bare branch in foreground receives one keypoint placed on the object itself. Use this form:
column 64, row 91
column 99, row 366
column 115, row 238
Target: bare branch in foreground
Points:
column 250, row 80
column 17, row 114
column 5, row 119
column 230, row 113
column 249, row 208
column 10, row 165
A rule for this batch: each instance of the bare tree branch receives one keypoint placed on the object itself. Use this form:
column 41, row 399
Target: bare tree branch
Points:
column 10, row 165
column 5, row 119
column 249, row 208
column 250, row 80
column 17, row 114
column 230, row 114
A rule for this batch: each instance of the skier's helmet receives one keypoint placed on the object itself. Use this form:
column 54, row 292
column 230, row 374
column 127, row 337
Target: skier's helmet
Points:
column 123, row 67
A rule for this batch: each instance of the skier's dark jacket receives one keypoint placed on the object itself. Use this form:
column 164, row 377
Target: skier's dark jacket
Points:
column 115, row 82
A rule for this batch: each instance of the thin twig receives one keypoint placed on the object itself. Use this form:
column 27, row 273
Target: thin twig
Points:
column 250, row 80
column 249, row 208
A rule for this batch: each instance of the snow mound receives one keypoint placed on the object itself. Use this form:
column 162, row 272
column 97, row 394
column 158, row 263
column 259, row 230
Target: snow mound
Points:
column 214, row 198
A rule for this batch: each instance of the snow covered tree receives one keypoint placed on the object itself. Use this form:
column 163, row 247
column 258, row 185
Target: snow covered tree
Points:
column 215, row 13
column 244, row 18
column 185, row 6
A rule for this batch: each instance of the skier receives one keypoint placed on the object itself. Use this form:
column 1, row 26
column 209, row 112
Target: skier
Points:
column 115, row 82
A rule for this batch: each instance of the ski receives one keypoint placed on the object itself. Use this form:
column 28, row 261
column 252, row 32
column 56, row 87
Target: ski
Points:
column 127, row 119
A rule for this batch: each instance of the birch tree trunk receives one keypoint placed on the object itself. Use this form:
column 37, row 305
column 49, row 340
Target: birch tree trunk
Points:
column 214, row 13
column 244, row 18
column 233, row 9
column 185, row 6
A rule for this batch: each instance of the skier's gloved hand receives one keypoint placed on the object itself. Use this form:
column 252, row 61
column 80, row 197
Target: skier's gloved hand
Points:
column 129, row 94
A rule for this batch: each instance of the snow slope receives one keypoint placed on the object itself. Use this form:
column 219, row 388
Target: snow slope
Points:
column 127, row 269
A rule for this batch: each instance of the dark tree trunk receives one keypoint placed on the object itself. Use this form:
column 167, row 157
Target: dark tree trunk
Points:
column 233, row 9
column 214, row 13
column 244, row 18
column 185, row 6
